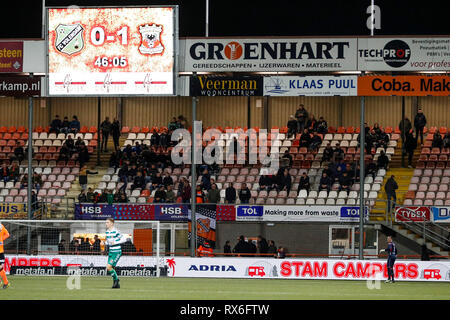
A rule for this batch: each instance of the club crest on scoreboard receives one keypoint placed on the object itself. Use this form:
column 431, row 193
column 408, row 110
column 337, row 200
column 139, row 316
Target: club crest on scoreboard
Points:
column 69, row 38
column 151, row 39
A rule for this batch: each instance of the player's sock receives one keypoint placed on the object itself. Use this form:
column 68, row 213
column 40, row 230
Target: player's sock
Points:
column 3, row 275
column 113, row 273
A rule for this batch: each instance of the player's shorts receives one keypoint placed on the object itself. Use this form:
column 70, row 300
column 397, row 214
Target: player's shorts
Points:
column 391, row 261
column 113, row 258
column 2, row 258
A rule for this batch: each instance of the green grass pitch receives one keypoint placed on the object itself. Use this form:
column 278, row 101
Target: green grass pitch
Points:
column 99, row 288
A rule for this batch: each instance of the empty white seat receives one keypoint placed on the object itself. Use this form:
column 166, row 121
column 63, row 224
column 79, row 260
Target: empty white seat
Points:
column 302, row 194
column 332, row 195
column 309, row 201
column 340, row 201
column 330, row 201
column 320, row 201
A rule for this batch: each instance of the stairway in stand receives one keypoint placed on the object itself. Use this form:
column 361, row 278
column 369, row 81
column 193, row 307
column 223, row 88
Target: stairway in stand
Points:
column 403, row 178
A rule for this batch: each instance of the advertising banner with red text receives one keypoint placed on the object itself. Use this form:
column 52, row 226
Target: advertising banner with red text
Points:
column 317, row 269
column 412, row 214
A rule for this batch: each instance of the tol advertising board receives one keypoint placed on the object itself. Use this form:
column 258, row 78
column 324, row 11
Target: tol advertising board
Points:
column 111, row 51
column 276, row 54
column 403, row 54
column 298, row 213
column 320, row 269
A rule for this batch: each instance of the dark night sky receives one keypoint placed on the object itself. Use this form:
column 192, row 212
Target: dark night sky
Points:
column 262, row 18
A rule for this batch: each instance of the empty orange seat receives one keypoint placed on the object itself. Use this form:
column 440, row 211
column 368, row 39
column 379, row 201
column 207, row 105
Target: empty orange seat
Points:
column 135, row 130
column 350, row 130
column 145, row 130
column 12, row 129
column 3, row 129
column 39, row 129
column 84, row 129
column 22, row 129
column 92, row 130
column 125, row 129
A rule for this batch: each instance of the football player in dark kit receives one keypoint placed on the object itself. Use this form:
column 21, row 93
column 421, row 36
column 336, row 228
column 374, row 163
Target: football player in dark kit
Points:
column 391, row 250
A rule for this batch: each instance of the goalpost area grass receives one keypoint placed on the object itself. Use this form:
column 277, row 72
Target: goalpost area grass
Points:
column 99, row 288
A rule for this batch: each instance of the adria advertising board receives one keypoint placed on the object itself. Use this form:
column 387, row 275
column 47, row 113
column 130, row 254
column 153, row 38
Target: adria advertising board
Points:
column 250, row 268
column 326, row 269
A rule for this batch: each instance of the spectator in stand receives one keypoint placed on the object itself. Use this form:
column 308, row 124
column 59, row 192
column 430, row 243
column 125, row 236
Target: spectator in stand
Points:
column 154, row 140
column 382, row 161
column 78, row 143
column 213, row 194
column 245, row 194
column 206, row 180
column 183, row 123
column 230, row 194
column 345, row 182
column 404, row 126
column 316, row 141
column 376, row 128
column 123, row 198
column 109, row 197
column 262, row 245
column 438, row 142
column 281, row 254
column 301, row 115
column 167, row 180
column 240, row 246
column 327, row 153
column 272, row 249
column 83, row 176
column 138, row 182
column 19, row 152
column 325, row 182
column 156, row 181
column 96, row 246
column 292, row 126
column 106, row 128
column 74, row 245
column 65, row 126
column 4, row 173
column 338, row 153
column 173, row 125
column 55, row 125
column 288, row 158
column 311, row 124
column 115, row 131
column 170, row 195
column 83, row 155
column 74, row 126
column 322, row 126
column 227, row 247
column 82, row 197
column 14, row 172
column 251, row 247
column 70, row 143
column 90, row 195
column 304, row 183
column 160, row 195
column 390, row 187
column 164, row 140
column 305, row 139
column 371, row 169
column 186, row 193
column 446, row 140
column 382, row 140
column 64, row 153
column 37, row 181
column 285, row 181
column 420, row 121
column 199, row 196
column 62, row 247
column 410, row 146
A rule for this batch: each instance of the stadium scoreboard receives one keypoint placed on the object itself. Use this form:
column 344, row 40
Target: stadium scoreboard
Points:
column 111, row 51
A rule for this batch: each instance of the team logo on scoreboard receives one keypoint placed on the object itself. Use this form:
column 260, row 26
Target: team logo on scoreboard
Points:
column 151, row 39
column 69, row 38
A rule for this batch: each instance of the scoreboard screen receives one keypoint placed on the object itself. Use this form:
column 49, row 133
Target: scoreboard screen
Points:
column 111, row 51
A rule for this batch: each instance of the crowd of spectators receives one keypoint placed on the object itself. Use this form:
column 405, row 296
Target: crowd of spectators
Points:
column 246, row 247
column 64, row 126
column 80, row 245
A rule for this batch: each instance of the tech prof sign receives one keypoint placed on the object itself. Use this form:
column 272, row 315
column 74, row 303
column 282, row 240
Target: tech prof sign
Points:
column 262, row 54
column 406, row 54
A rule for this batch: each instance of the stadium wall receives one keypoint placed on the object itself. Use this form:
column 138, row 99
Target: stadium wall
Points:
column 226, row 111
